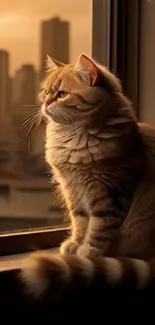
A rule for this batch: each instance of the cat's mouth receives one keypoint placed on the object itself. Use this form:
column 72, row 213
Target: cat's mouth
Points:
column 46, row 109
column 55, row 113
column 51, row 112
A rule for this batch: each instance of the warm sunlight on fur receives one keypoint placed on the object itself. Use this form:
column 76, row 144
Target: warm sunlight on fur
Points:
column 103, row 162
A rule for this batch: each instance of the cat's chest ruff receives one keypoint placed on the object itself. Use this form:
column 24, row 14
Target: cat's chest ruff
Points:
column 75, row 146
column 74, row 150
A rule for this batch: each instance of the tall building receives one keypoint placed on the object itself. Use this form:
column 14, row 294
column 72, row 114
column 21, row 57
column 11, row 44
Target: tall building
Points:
column 4, row 82
column 5, row 118
column 24, row 88
column 54, row 41
column 24, row 94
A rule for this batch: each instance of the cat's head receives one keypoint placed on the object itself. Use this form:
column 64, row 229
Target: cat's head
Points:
column 82, row 93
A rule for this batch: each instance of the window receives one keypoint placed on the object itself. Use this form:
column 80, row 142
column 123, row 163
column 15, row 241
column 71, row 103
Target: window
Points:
column 132, row 51
column 116, row 34
column 29, row 30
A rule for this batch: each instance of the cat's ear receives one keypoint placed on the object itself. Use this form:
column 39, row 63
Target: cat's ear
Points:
column 86, row 70
column 92, row 73
column 52, row 64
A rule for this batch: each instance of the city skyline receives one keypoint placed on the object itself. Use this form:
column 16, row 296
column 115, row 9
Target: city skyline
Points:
column 25, row 193
column 21, row 22
column 50, row 48
column 19, row 98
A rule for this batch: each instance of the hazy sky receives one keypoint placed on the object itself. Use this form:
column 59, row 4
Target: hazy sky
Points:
column 19, row 27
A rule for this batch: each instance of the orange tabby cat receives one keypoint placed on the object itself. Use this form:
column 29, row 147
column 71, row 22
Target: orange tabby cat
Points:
column 103, row 161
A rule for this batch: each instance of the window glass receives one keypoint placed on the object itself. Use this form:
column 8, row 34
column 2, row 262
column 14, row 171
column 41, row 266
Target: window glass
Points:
column 29, row 30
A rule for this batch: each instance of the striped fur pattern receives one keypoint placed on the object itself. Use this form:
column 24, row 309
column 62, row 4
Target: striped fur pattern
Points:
column 103, row 161
column 56, row 274
column 89, row 145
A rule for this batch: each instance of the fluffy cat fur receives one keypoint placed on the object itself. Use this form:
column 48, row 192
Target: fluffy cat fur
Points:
column 104, row 163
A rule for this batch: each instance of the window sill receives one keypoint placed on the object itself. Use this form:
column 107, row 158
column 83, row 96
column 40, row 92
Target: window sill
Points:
column 21, row 242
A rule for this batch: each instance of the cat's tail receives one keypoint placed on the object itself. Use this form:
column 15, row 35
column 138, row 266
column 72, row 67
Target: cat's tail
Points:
column 44, row 273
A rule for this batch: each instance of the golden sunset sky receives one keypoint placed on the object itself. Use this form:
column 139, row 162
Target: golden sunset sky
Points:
column 20, row 22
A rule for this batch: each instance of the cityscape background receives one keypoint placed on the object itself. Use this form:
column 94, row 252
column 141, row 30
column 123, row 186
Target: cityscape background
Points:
column 18, row 97
column 26, row 199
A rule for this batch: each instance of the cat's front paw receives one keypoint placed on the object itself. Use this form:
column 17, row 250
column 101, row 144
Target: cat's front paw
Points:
column 69, row 246
column 88, row 251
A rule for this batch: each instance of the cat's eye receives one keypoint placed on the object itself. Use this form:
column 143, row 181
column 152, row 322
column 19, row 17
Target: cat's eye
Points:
column 62, row 94
column 46, row 92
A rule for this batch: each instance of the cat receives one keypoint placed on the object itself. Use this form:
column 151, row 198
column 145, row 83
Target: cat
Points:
column 104, row 163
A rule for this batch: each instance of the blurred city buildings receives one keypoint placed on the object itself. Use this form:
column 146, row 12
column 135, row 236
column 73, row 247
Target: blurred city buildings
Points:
column 21, row 153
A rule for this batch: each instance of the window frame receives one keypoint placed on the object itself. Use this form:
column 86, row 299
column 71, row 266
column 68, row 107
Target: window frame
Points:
column 124, row 46
column 116, row 39
column 101, row 21
column 30, row 240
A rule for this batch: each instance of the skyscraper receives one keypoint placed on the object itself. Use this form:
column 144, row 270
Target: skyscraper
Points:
column 24, row 88
column 4, row 82
column 54, row 41
column 6, row 133
column 23, row 99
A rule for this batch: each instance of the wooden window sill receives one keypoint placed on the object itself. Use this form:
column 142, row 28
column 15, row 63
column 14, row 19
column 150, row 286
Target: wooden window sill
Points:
column 25, row 241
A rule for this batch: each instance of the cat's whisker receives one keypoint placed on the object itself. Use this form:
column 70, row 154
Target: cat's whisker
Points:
column 32, row 127
column 29, row 127
column 31, row 122
column 30, row 117
column 28, row 121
